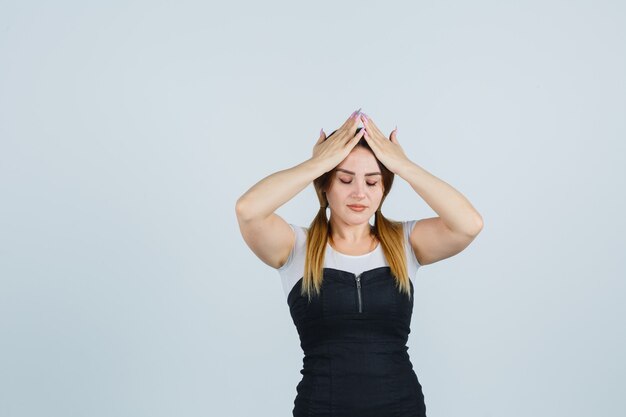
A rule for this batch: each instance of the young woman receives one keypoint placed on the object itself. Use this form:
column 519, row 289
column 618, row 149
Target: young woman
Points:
column 349, row 284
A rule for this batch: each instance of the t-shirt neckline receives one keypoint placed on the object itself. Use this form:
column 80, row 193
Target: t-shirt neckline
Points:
column 353, row 256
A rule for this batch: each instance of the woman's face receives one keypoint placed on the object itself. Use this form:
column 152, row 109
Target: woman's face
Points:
column 357, row 181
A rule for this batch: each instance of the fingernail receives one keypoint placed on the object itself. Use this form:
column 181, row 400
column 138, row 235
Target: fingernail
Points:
column 321, row 131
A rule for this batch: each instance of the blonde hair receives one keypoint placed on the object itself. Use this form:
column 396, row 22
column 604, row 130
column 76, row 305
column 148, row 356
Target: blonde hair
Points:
column 388, row 232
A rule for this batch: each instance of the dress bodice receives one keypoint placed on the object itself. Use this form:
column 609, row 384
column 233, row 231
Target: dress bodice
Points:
column 353, row 335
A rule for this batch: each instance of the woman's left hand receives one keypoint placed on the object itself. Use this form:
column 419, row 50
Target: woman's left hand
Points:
column 387, row 151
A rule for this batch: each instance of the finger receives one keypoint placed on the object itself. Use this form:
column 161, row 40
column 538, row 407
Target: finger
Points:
column 322, row 137
column 349, row 128
column 347, row 125
column 370, row 141
column 367, row 136
column 353, row 117
column 357, row 137
column 354, row 125
column 369, row 123
column 333, row 133
column 370, row 136
column 374, row 131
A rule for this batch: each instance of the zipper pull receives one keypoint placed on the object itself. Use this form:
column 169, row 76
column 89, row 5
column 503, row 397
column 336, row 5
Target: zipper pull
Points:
column 358, row 289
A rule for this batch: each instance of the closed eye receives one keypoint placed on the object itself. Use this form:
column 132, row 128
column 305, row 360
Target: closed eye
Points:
column 370, row 184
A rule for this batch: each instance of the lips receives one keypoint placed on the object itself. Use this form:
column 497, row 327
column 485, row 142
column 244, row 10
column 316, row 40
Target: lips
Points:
column 357, row 207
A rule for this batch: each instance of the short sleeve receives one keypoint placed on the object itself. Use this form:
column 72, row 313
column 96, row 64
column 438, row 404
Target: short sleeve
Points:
column 291, row 272
column 293, row 249
column 408, row 228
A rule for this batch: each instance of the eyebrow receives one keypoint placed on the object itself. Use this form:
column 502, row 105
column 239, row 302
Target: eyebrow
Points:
column 352, row 173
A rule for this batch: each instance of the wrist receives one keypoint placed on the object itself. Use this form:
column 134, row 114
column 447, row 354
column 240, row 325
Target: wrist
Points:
column 317, row 165
column 405, row 168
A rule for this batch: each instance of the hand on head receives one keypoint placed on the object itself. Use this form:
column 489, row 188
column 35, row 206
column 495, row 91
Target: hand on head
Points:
column 337, row 146
column 386, row 149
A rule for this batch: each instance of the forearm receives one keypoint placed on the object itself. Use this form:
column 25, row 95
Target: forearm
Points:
column 262, row 199
column 451, row 206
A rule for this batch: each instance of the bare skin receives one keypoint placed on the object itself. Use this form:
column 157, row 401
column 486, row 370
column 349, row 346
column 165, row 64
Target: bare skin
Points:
column 351, row 230
column 267, row 234
column 433, row 239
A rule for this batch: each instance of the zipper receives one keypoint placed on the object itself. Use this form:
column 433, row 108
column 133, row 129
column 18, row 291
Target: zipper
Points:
column 358, row 290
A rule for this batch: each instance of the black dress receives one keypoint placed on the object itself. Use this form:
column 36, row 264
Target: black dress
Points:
column 356, row 362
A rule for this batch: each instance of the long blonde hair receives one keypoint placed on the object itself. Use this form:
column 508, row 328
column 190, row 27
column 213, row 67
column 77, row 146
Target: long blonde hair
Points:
column 388, row 232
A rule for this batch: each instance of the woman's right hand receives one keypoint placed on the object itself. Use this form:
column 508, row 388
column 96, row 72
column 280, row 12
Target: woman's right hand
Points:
column 334, row 149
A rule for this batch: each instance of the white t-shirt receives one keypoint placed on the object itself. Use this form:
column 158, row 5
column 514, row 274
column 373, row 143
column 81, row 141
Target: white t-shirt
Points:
column 293, row 270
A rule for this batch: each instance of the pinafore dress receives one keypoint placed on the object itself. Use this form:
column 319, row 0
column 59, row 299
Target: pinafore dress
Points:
column 354, row 335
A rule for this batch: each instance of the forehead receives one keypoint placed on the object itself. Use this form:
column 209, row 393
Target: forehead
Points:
column 359, row 161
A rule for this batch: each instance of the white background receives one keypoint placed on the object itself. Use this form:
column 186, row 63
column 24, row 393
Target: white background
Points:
column 129, row 129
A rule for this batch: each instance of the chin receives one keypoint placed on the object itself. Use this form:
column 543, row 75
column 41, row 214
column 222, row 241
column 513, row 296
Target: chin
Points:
column 365, row 213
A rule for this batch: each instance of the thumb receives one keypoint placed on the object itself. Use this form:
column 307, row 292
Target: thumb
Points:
column 392, row 136
column 322, row 136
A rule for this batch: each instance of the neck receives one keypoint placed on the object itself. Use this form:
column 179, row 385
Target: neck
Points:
column 350, row 233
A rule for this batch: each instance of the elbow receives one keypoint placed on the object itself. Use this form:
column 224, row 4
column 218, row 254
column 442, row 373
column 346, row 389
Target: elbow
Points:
column 246, row 210
column 478, row 225
column 240, row 209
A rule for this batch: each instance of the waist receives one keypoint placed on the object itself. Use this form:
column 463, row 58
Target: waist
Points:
column 358, row 331
column 357, row 360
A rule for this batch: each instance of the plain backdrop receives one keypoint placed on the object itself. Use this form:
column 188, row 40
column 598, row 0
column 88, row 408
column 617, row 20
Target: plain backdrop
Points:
column 128, row 129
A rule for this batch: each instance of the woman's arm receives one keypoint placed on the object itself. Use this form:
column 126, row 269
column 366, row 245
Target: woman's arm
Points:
column 437, row 238
column 458, row 223
column 266, row 233
column 455, row 211
column 273, row 191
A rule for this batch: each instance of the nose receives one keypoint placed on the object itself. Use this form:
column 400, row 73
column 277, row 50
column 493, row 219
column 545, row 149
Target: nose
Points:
column 359, row 189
